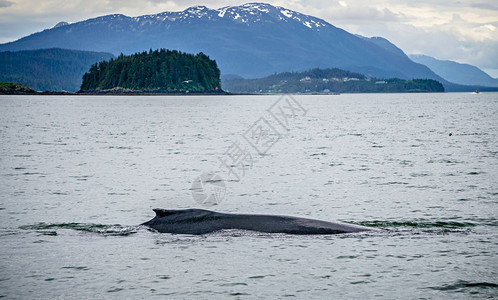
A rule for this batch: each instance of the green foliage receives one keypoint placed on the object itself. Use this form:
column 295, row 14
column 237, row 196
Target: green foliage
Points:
column 14, row 88
column 328, row 81
column 154, row 71
column 48, row 69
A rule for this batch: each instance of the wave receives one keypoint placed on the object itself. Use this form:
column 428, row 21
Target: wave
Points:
column 462, row 284
column 416, row 224
column 111, row 230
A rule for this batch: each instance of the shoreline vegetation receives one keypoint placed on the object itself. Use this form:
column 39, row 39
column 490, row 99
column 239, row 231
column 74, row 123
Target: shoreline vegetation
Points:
column 115, row 92
column 52, row 69
column 329, row 81
column 169, row 72
column 12, row 88
column 159, row 71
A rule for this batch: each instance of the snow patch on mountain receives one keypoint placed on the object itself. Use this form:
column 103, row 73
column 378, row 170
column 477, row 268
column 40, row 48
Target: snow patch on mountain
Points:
column 222, row 11
column 286, row 13
column 249, row 13
column 60, row 24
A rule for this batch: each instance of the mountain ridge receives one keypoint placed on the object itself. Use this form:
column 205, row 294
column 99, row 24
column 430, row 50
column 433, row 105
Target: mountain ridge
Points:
column 456, row 72
column 250, row 40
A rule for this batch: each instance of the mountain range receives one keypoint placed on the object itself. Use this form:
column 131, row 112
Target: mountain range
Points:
column 250, row 40
column 455, row 72
column 253, row 40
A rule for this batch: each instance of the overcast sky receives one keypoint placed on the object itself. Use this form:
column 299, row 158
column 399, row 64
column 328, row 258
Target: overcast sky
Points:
column 465, row 31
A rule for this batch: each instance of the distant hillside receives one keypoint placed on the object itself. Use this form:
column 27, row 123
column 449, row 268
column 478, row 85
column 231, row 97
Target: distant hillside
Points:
column 251, row 40
column 154, row 71
column 328, row 81
column 455, row 72
column 48, row 69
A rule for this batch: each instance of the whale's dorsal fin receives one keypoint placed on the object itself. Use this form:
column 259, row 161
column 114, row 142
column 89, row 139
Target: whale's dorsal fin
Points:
column 164, row 212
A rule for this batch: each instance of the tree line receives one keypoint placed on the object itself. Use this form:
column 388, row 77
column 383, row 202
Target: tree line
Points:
column 328, row 81
column 48, row 69
column 154, row 71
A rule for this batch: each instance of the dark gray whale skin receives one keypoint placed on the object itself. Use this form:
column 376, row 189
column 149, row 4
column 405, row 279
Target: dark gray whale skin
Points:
column 200, row 221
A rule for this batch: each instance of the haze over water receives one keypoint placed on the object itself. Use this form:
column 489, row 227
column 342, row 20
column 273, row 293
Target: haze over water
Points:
column 78, row 174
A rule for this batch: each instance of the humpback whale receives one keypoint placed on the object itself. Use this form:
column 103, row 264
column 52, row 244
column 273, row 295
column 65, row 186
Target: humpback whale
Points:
column 200, row 221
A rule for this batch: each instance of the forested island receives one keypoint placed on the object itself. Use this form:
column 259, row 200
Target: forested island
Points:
column 159, row 71
column 12, row 88
column 328, row 81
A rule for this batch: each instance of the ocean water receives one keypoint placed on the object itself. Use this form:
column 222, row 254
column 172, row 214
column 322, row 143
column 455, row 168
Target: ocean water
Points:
column 78, row 174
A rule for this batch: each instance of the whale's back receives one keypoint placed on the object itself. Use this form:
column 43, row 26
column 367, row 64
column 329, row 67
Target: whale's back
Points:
column 200, row 221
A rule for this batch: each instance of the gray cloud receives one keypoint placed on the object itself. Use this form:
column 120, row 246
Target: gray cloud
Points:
column 465, row 31
column 5, row 3
column 485, row 6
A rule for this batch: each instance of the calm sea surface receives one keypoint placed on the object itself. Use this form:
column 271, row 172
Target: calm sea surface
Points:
column 78, row 174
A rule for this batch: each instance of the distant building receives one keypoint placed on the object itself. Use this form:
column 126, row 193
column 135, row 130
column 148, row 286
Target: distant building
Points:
column 381, row 82
column 305, row 79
